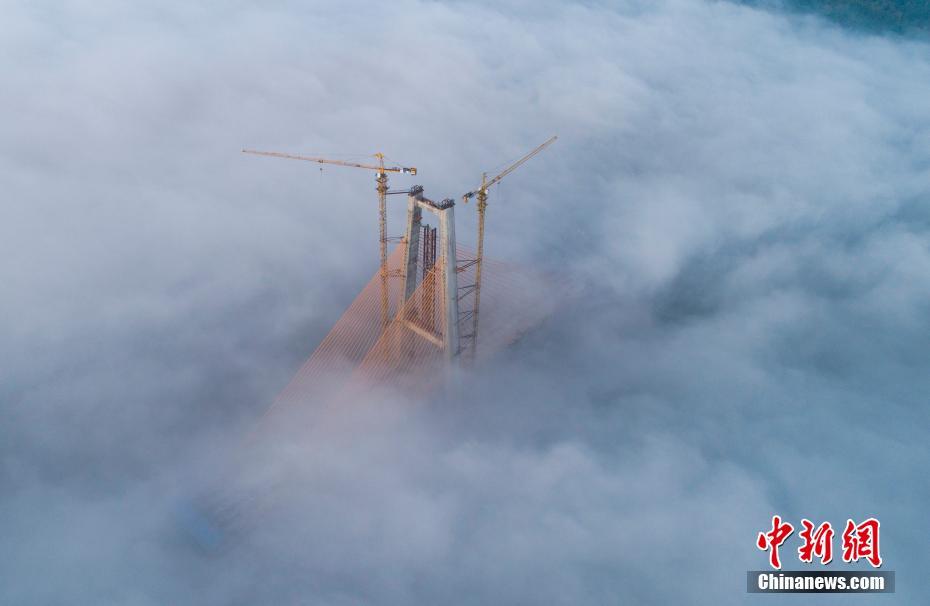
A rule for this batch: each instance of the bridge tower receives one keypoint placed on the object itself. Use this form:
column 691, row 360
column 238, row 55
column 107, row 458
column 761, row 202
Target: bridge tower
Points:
column 438, row 279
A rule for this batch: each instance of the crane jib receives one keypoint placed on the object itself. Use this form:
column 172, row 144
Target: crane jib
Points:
column 388, row 169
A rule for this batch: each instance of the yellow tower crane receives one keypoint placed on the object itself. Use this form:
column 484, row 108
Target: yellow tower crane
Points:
column 382, row 189
column 482, row 194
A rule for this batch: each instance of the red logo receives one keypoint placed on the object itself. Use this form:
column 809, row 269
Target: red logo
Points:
column 770, row 541
column 862, row 542
column 859, row 541
column 816, row 542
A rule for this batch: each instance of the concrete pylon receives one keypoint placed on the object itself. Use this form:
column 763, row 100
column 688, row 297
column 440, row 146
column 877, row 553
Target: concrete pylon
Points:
column 450, row 282
column 412, row 240
column 445, row 213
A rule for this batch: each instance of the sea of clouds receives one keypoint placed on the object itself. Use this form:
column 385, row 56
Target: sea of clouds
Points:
column 738, row 197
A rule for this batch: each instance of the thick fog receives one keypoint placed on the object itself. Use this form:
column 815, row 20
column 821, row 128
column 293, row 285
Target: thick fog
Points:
column 738, row 198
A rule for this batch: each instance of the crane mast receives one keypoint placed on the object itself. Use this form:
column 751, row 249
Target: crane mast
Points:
column 381, row 181
column 382, row 187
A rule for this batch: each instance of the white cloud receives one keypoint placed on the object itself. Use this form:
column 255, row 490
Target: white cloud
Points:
column 740, row 194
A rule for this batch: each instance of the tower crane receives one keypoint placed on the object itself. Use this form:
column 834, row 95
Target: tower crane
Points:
column 482, row 194
column 382, row 188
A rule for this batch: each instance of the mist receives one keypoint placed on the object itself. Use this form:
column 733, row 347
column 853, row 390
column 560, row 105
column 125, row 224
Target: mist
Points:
column 738, row 198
